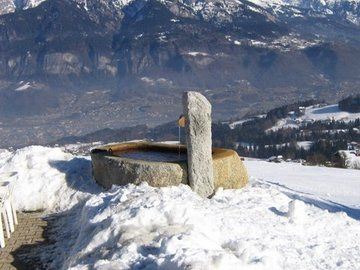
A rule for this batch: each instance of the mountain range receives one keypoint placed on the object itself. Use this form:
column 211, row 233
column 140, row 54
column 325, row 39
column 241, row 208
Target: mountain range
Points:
column 70, row 67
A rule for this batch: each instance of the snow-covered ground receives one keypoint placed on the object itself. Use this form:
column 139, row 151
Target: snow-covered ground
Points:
column 232, row 125
column 288, row 217
column 314, row 113
column 24, row 86
column 47, row 178
column 351, row 161
column 329, row 188
column 329, row 112
column 306, row 145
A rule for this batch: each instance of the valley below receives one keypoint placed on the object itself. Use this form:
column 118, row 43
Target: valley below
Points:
column 71, row 67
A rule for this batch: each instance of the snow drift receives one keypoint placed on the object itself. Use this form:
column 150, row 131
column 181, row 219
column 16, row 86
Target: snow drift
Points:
column 47, row 178
column 140, row 227
column 288, row 217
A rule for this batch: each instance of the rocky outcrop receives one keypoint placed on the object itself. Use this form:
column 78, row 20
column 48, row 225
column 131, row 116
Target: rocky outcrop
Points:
column 197, row 111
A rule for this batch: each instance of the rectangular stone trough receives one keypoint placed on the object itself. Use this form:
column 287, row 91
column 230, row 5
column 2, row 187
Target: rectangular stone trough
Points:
column 160, row 165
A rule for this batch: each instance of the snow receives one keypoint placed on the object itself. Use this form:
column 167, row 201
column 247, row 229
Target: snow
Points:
column 158, row 81
column 283, row 124
column 148, row 80
column 296, row 211
column 316, row 113
column 267, row 3
column 328, row 186
column 288, row 217
column 172, row 228
column 232, row 125
column 292, row 41
column 306, row 145
column 351, row 160
column 47, row 178
column 24, row 87
column 328, row 113
column 197, row 53
column 220, row 10
column 10, row 6
column 32, row 3
column 239, row 122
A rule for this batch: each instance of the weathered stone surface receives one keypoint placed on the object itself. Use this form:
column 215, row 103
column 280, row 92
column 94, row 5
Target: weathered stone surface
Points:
column 113, row 170
column 229, row 171
column 197, row 110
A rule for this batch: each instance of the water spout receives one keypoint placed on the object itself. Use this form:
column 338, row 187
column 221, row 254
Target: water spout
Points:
column 181, row 121
column 179, row 140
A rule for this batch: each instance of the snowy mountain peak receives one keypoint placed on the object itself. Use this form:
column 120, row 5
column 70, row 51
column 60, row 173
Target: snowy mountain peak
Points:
column 349, row 8
column 9, row 6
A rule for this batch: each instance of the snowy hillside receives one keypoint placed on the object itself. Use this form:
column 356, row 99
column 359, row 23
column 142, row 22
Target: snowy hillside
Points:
column 316, row 113
column 288, row 217
column 311, row 114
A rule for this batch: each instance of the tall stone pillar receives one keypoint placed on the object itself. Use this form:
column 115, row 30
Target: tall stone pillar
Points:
column 197, row 110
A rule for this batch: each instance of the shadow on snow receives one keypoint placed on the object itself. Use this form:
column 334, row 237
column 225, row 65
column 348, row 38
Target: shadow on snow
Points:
column 78, row 174
column 328, row 205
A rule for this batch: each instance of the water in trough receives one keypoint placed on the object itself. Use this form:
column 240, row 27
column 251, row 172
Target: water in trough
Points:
column 157, row 156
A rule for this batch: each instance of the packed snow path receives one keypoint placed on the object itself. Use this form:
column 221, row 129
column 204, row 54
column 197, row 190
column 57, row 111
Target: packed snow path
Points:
column 140, row 227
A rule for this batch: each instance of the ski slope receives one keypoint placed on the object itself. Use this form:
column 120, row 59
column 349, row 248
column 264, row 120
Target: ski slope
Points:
column 288, row 217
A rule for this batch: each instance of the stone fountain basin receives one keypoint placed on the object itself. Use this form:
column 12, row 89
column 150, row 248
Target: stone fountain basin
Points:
column 119, row 164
